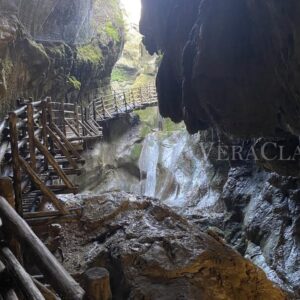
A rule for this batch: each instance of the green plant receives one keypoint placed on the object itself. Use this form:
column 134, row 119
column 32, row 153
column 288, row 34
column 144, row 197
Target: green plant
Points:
column 76, row 84
column 118, row 75
column 112, row 31
column 90, row 53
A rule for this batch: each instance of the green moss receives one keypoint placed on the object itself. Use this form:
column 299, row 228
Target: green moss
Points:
column 118, row 75
column 149, row 121
column 112, row 31
column 76, row 84
column 90, row 53
column 148, row 118
column 56, row 51
column 142, row 80
column 136, row 152
column 170, row 126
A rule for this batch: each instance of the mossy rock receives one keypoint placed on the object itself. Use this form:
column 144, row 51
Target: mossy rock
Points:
column 112, row 31
column 90, row 53
column 136, row 152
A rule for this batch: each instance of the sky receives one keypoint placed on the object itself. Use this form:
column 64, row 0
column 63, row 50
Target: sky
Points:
column 133, row 8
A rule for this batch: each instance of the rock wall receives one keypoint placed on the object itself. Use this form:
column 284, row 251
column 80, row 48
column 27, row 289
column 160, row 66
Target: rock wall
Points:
column 65, row 49
column 227, row 64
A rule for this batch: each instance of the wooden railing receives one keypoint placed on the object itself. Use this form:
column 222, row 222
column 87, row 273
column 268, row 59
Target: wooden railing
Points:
column 40, row 144
column 122, row 102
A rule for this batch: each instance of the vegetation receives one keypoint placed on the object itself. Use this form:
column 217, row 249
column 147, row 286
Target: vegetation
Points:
column 149, row 120
column 136, row 152
column 90, row 53
column 142, row 80
column 112, row 31
column 118, row 75
column 76, row 84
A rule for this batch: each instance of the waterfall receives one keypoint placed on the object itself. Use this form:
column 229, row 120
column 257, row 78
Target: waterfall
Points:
column 148, row 165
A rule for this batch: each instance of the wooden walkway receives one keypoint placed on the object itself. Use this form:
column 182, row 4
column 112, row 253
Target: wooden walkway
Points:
column 119, row 103
column 41, row 144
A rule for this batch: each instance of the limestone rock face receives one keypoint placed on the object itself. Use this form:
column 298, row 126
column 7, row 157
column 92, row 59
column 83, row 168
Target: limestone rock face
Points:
column 152, row 253
column 65, row 49
column 230, row 64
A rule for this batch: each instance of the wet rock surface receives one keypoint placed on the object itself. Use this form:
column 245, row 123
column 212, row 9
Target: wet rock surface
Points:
column 153, row 253
column 263, row 222
column 227, row 64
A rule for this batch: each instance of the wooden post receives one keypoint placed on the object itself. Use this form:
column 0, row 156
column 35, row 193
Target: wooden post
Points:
column 103, row 107
column 116, row 105
column 64, row 284
column 97, row 284
column 94, row 111
column 15, row 161
column 7, row 192
column 63, row 123
column 125, row 101
column 76, row 119
column 82, row 119
column 50, row 119
column 30, row 125
column 44, row 129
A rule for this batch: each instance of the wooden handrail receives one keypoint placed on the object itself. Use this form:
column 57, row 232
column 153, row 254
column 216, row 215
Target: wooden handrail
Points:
column 20, row 276
column 59, row 278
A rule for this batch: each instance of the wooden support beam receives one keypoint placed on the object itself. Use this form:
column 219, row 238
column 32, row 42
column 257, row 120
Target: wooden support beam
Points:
column 63, row 283
column 51, row 160
column 62, row 147
column 20, row 276
column 93, row 130
column 75, row 131
column 88, row 131
column 65, row 140
column 41, row 186
column 15, row 162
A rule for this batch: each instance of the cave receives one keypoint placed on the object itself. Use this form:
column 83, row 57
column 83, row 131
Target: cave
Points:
column 149, row 149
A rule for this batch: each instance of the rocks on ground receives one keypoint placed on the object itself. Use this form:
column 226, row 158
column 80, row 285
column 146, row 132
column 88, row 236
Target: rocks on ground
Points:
column 153, row 253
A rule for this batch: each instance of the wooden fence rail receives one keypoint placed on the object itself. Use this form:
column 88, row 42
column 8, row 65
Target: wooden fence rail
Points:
column 122, row 102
